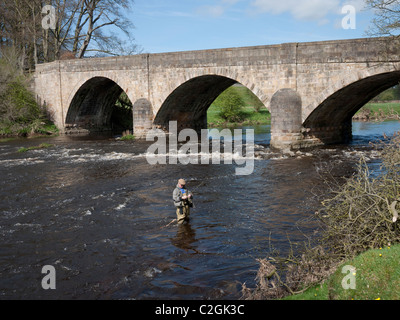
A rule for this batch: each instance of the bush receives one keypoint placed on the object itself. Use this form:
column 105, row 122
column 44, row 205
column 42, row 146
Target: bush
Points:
column 19, row 112
column 389, row 95
column 121, row 117
column 363, row 214
column 24, row 108
column 231, row 106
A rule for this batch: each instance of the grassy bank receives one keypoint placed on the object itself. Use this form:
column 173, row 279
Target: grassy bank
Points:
column 253, row 111
column 376, row 275
column 385, row 107
column 379, row 111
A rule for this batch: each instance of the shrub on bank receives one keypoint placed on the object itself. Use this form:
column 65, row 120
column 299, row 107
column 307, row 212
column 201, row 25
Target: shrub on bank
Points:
column 230, row 105
column 362, row 214
column 19, row 112
column 253, row 111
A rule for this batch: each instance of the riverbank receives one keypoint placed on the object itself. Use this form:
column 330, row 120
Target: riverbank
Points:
column 380, row 111
column 372, row 275
column 358, row 229
column 43, row 129
column 251, row 118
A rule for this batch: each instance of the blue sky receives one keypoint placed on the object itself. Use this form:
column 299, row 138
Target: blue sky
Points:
column 181, row 25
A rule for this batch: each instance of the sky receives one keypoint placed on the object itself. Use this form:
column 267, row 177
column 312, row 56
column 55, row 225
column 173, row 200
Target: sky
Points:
column 184, row 25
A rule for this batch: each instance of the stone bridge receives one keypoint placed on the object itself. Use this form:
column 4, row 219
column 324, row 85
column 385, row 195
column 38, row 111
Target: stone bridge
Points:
column 311, row 89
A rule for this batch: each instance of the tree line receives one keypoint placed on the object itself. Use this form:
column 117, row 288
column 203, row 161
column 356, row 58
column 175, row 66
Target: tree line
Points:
column 35, row 31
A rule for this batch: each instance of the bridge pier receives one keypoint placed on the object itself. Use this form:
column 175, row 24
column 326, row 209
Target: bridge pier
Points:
column 142, row 113
column 286, row 120
column 334, row 134
column 287, row 131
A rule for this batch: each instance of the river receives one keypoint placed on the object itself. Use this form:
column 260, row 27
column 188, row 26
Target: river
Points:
column 95, row 210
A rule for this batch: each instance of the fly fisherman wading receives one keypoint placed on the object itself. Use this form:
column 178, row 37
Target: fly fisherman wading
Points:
column 183, row 200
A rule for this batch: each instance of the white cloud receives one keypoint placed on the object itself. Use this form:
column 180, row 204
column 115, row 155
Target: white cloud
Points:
column 214, row 11
column 167, row 13
column 358, row 4
column 310, row 10
column 218, row 9
column 230, row 2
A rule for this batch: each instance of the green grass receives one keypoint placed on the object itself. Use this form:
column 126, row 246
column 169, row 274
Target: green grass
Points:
column 377, row 277
column 47, row 129
column 41, row 146
column 377, row 108
column 6, row 140
column 384, row 106
column 128, row 137
column 251, row 104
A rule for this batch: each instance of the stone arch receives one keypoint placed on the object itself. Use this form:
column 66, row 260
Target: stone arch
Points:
column 91, row 105
column 348, row 77
column 188, row 103
column 330, row 121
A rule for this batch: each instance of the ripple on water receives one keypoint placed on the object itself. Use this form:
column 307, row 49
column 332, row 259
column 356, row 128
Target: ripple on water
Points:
column 97, row 211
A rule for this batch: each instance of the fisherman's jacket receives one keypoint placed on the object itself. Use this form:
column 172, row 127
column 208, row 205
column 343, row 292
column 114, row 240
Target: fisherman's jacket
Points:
column 178, row 194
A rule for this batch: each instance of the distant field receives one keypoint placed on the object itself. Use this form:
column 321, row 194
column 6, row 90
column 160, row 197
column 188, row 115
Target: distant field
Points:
column 251, row 103
column 377, row 108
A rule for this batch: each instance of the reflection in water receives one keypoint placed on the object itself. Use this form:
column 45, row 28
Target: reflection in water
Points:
column 185, row 237
column 95, row 210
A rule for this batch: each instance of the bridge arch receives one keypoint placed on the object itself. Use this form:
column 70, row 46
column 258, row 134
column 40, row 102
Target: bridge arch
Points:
column 91, row 104
column 331, row 120
column 188, row 103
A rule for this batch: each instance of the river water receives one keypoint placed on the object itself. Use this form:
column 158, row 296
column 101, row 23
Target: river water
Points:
column 95, row 210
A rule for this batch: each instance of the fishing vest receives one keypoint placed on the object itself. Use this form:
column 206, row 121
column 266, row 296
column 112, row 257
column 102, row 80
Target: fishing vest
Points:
column 187, row 201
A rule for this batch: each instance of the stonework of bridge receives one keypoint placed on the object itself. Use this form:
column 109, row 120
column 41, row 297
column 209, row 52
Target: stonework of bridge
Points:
column 311, row 89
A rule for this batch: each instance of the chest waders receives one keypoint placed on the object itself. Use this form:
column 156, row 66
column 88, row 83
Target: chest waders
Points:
column 183, row 211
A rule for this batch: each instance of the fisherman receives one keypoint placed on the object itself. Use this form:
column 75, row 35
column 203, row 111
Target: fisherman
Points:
column 183, row 200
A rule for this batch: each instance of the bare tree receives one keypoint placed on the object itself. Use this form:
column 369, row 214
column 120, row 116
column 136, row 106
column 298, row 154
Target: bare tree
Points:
column 14, row 17
column 81, row 27
column 94, row 17
column 65, row 16
column 90, row 26
column 387, row 17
